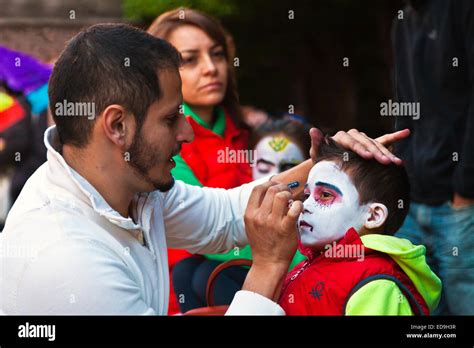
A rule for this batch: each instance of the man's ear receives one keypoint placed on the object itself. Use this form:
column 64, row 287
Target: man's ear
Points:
column 376, row 216
column 115, row 124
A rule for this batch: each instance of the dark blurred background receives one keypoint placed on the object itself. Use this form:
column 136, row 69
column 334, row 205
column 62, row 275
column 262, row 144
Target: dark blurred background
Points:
column 290, row 53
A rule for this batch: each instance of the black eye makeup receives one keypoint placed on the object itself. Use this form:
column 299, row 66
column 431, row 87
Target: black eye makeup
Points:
column 264, row 166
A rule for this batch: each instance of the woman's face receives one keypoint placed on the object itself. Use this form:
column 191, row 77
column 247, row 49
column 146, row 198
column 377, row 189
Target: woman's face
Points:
column 204, row 69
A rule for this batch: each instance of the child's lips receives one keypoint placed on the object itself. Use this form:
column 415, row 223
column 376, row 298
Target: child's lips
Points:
column 304, row 224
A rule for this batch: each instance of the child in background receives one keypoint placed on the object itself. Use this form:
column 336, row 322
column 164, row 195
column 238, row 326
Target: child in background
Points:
column 355, row 265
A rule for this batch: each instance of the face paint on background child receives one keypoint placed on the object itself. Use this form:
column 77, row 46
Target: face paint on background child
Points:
column 275, row 154
column 332, row 206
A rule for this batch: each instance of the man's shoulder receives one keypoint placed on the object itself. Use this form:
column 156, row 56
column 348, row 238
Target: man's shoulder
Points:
column 38, row 216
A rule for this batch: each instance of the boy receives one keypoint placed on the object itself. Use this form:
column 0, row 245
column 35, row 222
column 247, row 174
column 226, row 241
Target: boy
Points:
column 355, row 265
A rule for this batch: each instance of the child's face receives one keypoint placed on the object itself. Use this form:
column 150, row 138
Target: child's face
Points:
column 332, row 206
column 275, row 154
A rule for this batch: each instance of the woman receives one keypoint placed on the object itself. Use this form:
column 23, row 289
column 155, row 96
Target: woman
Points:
column 210, row 98
column 210, row 104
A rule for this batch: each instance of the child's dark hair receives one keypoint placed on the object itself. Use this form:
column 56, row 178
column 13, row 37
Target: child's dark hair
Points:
column 375, row 182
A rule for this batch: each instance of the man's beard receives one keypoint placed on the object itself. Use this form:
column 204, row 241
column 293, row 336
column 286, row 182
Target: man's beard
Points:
column 142, row 159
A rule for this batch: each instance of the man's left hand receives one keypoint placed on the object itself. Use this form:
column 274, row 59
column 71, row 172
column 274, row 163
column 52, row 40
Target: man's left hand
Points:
column 361, row 144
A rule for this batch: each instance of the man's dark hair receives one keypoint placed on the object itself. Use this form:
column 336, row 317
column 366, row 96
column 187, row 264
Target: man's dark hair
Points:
column 108, row 64
column 375, row 182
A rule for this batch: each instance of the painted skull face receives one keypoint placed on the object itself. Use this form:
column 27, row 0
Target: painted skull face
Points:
column 275, row 154
column 331, row 207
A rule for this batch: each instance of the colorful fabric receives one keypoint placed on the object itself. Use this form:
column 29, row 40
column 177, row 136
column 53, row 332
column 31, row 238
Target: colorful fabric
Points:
column 38, row 99
column 5, row 101
column 336, row 284
column 184, row 172
column 21, row 72
column 11, row 112
column 203, row 155
column 412, row 260
column 25, row 74
column 219, row 123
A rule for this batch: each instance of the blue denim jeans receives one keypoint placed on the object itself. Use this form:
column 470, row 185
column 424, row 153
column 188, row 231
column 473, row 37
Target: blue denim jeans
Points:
column 448, row 234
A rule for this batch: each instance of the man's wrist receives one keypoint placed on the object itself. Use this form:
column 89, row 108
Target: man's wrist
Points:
column 266, row 279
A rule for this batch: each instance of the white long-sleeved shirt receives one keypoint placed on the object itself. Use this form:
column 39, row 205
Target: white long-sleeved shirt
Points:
column 64, row 250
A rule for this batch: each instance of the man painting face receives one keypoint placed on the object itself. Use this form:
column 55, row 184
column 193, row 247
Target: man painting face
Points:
column 331, row 208
column 275, row 154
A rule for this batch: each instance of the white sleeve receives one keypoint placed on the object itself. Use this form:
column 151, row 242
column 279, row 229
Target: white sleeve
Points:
column 80, row 278
column 206, row 220
column 250, row 303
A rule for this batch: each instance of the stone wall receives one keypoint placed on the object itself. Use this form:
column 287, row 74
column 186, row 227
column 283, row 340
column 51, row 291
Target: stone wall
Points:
column 42, row 27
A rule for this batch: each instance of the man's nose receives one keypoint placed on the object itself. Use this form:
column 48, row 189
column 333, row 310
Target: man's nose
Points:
column 185, row 132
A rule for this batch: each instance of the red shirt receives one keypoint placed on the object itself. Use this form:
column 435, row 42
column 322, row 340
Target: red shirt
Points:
column 218, row 161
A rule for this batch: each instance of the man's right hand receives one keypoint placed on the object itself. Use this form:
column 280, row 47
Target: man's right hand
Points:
column 272, row 233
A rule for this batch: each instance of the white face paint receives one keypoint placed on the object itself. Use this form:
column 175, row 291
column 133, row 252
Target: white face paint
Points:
column 275, row 154
column 332, row 206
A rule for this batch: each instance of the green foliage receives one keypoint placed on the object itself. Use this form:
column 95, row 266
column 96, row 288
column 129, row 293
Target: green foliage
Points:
column 147, row 10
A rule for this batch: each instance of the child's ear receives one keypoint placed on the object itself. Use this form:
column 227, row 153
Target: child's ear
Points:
column 376, row 216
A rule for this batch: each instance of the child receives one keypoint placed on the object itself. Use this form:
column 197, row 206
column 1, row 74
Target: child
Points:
column 355, row 265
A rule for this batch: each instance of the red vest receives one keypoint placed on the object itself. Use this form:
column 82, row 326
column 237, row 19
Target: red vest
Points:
column 204, row 155
column 323, row 284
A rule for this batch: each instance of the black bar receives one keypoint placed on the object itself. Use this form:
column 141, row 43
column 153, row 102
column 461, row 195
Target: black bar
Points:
column 135, row 330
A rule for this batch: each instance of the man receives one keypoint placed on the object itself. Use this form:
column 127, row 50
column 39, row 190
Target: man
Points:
column 434, row 67
column 88, row 233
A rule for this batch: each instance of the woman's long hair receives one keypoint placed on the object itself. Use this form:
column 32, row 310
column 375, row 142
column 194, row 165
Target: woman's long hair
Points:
column 166, row 23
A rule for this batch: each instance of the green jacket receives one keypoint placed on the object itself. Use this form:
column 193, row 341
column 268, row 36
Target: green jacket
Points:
column 383, row 297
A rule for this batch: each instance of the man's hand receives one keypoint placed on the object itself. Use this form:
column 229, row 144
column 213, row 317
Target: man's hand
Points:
column 460, row 202
column 361, row 144
column 272, row 233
